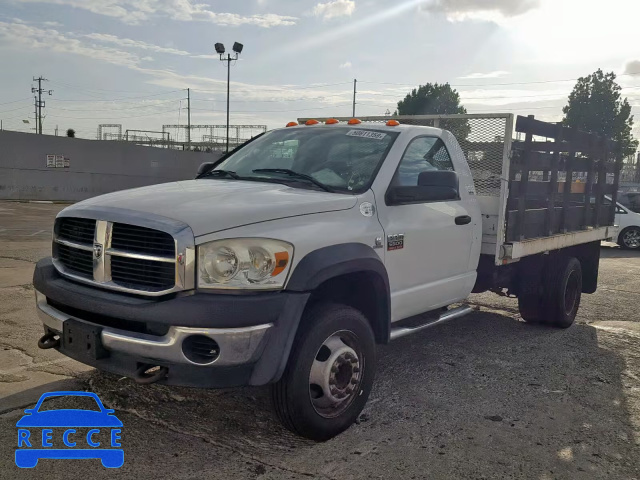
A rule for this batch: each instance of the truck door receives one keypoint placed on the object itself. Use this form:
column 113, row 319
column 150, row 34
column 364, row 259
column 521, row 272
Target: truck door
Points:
column 428, row 244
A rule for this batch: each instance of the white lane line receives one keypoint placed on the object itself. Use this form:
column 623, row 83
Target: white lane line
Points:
column 37, row 233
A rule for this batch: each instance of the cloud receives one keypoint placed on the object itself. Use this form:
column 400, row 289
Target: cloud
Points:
column 346, row 64
column 183, row 10
column 457, row 10
column 337, row 8
column 476, row 76
column 128, row 43
column 632, row 67
column 29, row 37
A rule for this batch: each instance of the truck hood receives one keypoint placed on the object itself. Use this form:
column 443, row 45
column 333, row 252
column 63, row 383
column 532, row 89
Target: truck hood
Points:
column 210, row 206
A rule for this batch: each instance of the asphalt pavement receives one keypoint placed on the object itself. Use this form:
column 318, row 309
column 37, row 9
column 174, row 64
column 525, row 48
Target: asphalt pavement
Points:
column 486, row 396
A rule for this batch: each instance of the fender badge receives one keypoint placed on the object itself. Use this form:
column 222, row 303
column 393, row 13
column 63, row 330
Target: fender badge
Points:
column 367, row 209
column 395, row 242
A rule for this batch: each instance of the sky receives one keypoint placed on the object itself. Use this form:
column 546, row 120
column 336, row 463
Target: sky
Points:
column 130, row 62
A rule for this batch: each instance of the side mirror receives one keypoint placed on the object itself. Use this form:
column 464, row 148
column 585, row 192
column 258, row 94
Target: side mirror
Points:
column 204, row 167
column 433, row 186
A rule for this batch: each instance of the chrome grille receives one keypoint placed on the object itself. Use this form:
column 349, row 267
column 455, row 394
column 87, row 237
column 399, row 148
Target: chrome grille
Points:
column 79, row 230
column 77, row 261
column 116, row 255
column 142, row 274
column 142, row 240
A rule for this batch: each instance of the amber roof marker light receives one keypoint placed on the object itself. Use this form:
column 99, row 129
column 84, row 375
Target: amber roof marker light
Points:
column 292, row 124
column 393, row 123
column 354, row 121
column 332, row 121
column 312, row 122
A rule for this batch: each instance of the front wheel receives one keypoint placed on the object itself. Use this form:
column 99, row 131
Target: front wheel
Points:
column 330, row 373
column 629, row 238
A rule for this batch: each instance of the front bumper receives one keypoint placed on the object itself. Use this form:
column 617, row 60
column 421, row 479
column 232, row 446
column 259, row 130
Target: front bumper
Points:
column 134, row 332
column 237, row 346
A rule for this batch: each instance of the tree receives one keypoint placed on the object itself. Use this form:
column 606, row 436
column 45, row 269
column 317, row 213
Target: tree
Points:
column 436, row 99
column 71, row 133
column 596, row 105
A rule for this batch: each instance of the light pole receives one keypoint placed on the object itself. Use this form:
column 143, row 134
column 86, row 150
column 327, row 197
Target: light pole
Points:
column 237, row 48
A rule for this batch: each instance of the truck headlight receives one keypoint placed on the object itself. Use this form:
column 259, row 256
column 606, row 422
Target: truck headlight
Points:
column 249, row 263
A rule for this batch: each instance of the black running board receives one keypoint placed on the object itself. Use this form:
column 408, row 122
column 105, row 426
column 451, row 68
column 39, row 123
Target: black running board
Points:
column 397, row 332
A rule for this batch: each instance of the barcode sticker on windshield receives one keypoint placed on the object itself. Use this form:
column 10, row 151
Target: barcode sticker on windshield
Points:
column 366, row 134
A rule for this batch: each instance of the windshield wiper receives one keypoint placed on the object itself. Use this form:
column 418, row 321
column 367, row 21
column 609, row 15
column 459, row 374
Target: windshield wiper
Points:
column 226, row 173
column 292, row 173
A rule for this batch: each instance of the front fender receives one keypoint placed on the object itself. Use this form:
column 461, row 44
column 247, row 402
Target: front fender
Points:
column 311, row 272
column 336, row 260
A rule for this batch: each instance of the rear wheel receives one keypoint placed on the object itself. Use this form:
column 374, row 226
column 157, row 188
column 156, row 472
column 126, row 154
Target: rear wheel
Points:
column 329, row 375
column 530, row 306
column 630, row 238
column 563, row 292
column 558, row 300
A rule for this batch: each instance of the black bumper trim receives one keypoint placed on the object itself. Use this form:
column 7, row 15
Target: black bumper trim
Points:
column 190, row 310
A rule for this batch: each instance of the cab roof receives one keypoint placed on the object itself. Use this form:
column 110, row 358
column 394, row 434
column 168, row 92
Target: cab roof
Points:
column 379, row 126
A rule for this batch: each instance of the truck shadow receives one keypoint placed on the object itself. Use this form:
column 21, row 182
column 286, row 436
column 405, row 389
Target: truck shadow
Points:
column 456, row 400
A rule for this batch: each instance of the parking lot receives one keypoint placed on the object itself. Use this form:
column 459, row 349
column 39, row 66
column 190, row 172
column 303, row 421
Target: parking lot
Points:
column 485, row 396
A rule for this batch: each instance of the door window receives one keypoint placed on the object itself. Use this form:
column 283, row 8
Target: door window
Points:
column 422, row 154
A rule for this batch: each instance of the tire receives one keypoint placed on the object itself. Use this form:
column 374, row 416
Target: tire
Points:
column 629, row 238
column 562, row 292
column 323, row 355
column 530, row 306
column 559, row 300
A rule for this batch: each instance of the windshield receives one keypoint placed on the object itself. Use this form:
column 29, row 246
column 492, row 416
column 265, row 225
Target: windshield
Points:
column 344, row 159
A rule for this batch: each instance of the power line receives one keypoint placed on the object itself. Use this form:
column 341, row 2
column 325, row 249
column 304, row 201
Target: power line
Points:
column 119, row 109
column 114, row 118
column 283, row 88
column 16, row 101
column 284, row 111
column 119, row 99
column 15, row 109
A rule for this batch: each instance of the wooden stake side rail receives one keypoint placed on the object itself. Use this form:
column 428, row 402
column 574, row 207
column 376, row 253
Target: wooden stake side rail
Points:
column 545, row 206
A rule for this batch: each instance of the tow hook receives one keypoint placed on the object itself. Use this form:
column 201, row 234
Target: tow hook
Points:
column 49, row 340
column 147, row 374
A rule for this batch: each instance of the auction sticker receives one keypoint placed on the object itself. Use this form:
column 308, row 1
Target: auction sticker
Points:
column 366, row 134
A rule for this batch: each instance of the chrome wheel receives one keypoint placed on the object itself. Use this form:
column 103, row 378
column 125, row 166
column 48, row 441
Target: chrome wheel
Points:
column 631, row 238
column 336, row 374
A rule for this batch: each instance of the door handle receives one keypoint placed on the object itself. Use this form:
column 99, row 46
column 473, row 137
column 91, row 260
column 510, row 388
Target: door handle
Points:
column 463, row 220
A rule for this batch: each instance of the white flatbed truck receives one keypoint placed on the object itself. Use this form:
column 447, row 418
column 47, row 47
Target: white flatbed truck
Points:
column 290, row 259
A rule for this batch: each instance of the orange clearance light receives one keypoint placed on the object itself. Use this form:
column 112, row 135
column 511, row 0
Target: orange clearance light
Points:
column 332, row 121
column 312, row 122
column 292, row 124
column 393, row 123
column 282, row 259
column 354, row 121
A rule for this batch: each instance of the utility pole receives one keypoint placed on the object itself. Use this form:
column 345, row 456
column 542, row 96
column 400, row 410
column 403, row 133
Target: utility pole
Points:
column 355, row 82
column 189, row 118
column 39, row 103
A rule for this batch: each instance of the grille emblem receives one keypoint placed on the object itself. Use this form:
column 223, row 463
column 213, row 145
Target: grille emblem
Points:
column 97, row 250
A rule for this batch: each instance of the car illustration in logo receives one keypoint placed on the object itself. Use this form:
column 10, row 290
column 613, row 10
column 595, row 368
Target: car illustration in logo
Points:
column 84, row 433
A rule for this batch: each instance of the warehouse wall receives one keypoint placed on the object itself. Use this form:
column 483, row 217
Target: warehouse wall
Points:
column 92, row 167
